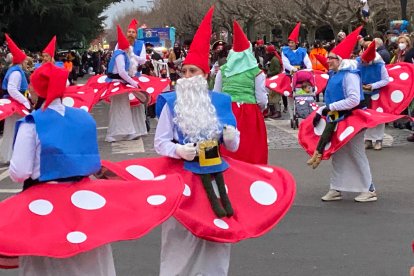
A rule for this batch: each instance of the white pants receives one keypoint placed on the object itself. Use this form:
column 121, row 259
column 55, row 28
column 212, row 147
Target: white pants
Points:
column 184, row 254
column 376, row 133
column 121, row 125
column 96, row 262
column 6, row 147
column 138, row 119
column 351, row 171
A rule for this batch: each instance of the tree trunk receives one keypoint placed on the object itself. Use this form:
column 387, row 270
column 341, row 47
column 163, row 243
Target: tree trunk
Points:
column 311, row 34
column 250, row 30
column 403, row 9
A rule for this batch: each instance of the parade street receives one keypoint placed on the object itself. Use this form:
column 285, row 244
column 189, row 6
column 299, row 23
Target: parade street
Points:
column 316, row 238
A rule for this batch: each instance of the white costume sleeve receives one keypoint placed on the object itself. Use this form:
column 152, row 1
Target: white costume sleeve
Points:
column 307, row 62
column 142, row 58
column 218, row 82
column 164, row 134
column 260, row 90
column 25, row 159
column 286, row 63
column 120, row 68
column 13, row 87
column 385, row 79
column 351, row 84
column 233, row 145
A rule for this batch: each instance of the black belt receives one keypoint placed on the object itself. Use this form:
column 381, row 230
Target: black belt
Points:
column 31, row 182
column 113, row 76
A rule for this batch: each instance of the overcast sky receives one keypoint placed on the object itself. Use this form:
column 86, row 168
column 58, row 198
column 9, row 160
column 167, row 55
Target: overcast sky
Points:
column 118, row 8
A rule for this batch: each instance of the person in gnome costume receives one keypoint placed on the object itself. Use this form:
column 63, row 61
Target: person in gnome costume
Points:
column 121, row 121
column 294, row 58
column 14, row 86
column 341, row 134
column 137, row 57
column 37, row 135
column 197, row 120
column 48, row 53
column 374, row 76
column 242, row 79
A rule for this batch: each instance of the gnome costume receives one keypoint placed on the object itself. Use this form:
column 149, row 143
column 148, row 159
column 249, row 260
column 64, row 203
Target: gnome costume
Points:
column 294, row 60
column 374, row 76
column 196, row 241
column 14, row 86
column 59, row 224
column 138, row 56
column 341, row 133
column 121, row 122
column 242, row 79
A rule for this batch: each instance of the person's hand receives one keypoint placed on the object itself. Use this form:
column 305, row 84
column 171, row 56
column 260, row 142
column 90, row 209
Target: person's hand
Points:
column 134, row 84
column 27, row 105
column 367, row 87
column 229, row 133
column 187, row 151
column 325, row 111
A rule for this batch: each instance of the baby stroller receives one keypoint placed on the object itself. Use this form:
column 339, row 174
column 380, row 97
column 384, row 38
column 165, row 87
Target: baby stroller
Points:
column 304, row 104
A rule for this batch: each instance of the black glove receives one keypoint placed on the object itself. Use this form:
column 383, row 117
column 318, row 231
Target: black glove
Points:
column 316, row 119
column 325, row 111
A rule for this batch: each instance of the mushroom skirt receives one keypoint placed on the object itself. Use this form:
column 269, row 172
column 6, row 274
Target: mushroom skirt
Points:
column 260, row 195
column 65, row 219
column 345, row 130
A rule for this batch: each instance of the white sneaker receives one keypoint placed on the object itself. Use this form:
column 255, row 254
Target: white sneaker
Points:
column 366, row 197
column 332, row 195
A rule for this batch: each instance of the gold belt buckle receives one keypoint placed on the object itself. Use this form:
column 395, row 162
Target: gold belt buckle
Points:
column 333, row 115
column 208, row 153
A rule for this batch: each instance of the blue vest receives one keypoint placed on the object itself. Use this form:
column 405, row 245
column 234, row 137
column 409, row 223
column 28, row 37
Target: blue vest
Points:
column 68, row 143
column 370, row 73
column 334, row 89
column 112, row 62
column 295, row 58
column 137, row 48
column 23, row 85
column 57, row 63
column 222, row 103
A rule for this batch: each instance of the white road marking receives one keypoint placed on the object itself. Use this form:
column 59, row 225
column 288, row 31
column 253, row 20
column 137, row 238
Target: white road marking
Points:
column 99, row 128
column 133, row 146
column 10, row 191
column 4, row 175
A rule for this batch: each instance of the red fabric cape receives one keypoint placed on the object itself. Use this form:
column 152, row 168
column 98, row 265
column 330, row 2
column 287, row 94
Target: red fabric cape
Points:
column 282, row 84
column 395, row 97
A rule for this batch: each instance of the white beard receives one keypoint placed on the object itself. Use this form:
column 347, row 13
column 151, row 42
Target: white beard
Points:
column 195, row 115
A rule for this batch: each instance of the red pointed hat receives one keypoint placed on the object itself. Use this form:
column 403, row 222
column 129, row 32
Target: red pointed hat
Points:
column 50, row 48
column 346, row 46
column 49, row 82
column 133, row 24
column 123, row 42
column 18, row 55
column 323, row 60
column 240, row 41
column 294, row 35
column 369, row 53
column 198, row 54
